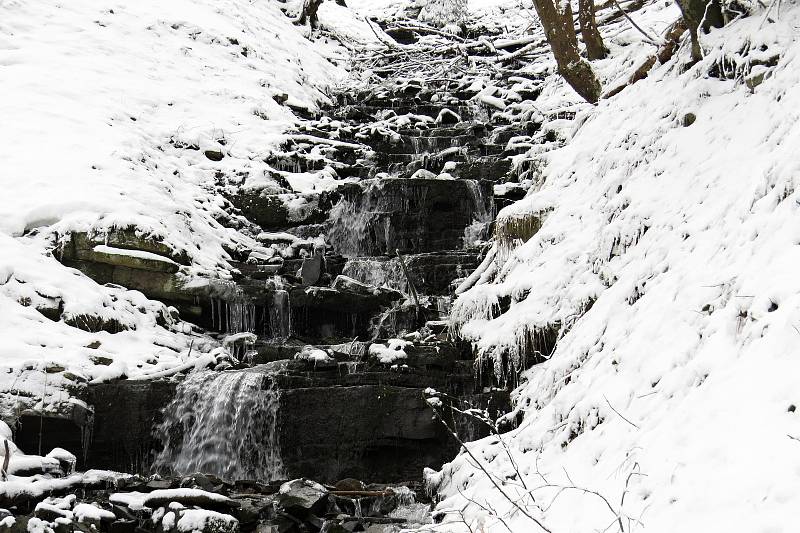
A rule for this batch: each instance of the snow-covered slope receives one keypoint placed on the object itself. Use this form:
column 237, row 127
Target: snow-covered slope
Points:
column 667, row 258
column 107, row 110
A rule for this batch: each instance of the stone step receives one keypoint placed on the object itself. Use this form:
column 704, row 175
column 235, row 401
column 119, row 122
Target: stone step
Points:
column 370, row 112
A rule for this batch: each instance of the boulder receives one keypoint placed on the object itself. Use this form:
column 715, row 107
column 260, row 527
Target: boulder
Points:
column 202, row 521
column 311, row 270
column 301, row 497
column 189, row 498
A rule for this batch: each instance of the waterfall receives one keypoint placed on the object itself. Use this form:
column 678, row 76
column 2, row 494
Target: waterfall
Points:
column 280, row 315
column 355, row 220
column 231, row 310
column 222, row 423
column 483, row 214
column 380, row 272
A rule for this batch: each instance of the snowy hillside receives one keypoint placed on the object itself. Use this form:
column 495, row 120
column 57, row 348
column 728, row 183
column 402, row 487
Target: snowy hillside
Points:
column 666, row 259
column 109, row 112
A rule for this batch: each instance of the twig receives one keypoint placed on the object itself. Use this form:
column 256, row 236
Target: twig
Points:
column 620, row 415
column 491, row 478
column 485, row 508
column 650, row 39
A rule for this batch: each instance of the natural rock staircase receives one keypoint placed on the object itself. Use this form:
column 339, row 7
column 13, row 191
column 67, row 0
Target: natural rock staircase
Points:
column 412, row 174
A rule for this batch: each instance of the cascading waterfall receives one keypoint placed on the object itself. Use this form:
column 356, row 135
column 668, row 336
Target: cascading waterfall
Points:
column 354, row 220
column 231, row 311
column 483, row 217
column 222, row 423
column 376, row 271
column 280, row 315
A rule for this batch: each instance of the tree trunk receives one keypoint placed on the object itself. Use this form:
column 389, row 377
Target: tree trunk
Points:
column 309, row 13
column 697, row 13
column 560, row 34
column 595, row 49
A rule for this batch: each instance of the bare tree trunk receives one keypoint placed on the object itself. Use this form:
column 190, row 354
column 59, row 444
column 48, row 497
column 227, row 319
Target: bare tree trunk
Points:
column 595, row 49
column 697, row 14
column 560, row 34
column 309, row 13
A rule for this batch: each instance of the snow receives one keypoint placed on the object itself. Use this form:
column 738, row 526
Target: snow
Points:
column 314, row 355
column 675, row 388
column 178, row 494
column 134, row 500
column 391, row 352
column 86, row 512
column 37, row 525
column 150, row 256
column 108, row 110
column 37, row 486
column 43, row 506
column 200, row 520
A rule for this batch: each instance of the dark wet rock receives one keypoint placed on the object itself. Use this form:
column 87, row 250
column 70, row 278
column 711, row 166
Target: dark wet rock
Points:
column 301, row 497
column 123, row 526
column 214, row 154
column 413, row 216
column 350, row 484
column 391, row 437
column 125, row 413
column 447, row 116
column 311, row 270
column 159, row 484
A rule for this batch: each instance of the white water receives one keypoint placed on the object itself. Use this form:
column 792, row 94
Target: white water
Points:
column 482, row 216
column 377, row 271
column 280, row 315
column 222, row 423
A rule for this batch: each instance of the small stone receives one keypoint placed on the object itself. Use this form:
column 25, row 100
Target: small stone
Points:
column 214, row 155
column 100, row 360
column 688, row 119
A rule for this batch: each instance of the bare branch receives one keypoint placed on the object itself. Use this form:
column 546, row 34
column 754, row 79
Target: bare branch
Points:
column 620, row 415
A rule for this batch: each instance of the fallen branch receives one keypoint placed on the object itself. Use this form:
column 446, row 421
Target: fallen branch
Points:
column 650, row 39
column 362, row 493
column 522, row 51
column 664, row 54
column 423, row 28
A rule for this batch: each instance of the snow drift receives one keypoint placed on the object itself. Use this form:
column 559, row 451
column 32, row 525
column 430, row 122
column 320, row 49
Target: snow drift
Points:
column 667, row 262
column 108, row 111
